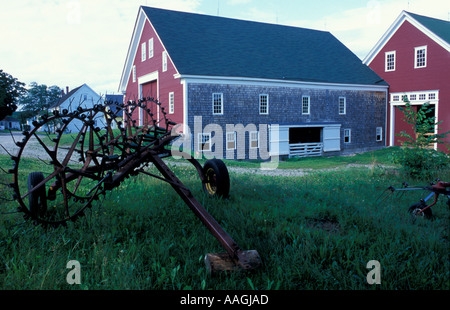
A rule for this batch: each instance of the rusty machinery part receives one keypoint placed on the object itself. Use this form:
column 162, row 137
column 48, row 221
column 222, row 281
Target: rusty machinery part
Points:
column 72, row 176
column 421, row 209
column 102, row 153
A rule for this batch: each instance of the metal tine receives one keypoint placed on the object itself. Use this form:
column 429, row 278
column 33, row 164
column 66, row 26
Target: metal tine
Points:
column 12, row 136
column 6, row 150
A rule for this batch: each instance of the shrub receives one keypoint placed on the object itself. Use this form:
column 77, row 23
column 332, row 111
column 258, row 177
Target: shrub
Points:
column 416, row 156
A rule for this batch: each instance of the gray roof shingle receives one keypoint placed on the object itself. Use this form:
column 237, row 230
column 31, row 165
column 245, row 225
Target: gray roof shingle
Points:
column 216, row 46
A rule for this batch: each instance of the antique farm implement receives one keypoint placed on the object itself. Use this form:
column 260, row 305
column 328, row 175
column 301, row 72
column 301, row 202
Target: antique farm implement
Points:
column 108, row 147
column 421, row 208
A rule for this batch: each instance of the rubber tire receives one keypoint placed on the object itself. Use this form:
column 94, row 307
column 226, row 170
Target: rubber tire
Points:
column 37, row 199
column 216, row 171
column 428, row 214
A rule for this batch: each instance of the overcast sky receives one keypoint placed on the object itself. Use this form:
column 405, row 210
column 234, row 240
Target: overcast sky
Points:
column 71, row 42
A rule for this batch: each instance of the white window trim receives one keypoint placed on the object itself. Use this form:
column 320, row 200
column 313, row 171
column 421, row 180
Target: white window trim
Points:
column 345, row 106
column 386, row 69
column 134, row 74
column 228, row 140
column 415, row 56
column 164, row 61
column 251, row 133
column 221, row 103
column 309, row 105
column 379, row 132
column 200, row 142
column 349, row 136
column 143, row 52
column 267, row 104
column 171, row 102
column 150, row 48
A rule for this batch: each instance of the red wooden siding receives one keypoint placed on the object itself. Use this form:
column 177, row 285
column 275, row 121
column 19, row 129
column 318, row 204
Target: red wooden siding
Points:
column 166, row 82
column 405, row 78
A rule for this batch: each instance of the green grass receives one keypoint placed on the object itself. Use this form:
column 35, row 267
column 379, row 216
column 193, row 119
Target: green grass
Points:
column 312, row 232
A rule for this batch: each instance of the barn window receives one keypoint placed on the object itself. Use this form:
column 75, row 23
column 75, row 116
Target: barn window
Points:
column 263, row 104
column 171, row 103
column 347, row 135
column 204, row 142
column 420, row 57
column 379, row 134
column 231, row 140
column 390, row 61
column 143, row 51
column 254, row 139
column 217, row 103
column 422, row 96
column 150, row 48
column 432, row 96
column 413, row 97
column 164, row 61
column 342, row 105
column 305, row 105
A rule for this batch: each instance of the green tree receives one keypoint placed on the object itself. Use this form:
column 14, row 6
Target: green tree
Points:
column 10, row 91
column 39, row 99
column 417, row 157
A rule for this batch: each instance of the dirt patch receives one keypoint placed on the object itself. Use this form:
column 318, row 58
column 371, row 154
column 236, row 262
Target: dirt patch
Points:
column 329, row 225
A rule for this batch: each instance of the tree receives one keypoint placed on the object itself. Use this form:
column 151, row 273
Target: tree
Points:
column 423, row 125
column 417, row 156
column 39, row 99
column 10, row 92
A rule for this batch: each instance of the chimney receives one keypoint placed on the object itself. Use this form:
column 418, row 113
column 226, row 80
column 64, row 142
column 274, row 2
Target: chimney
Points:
column 67, row 89
column 62, row 92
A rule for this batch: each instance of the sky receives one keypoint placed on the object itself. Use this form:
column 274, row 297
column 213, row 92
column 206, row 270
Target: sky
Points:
column 72, row 42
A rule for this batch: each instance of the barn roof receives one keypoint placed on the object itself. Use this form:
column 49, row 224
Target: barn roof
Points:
column 439, row 27
column 203, row 45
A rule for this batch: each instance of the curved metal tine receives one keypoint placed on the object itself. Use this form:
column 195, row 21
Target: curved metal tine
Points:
column 64, row 192
column 52, row 154
column 50, row 176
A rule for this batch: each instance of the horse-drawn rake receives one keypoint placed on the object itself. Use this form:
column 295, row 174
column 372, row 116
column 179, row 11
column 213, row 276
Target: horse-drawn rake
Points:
column 421, row 208
column 105, row 151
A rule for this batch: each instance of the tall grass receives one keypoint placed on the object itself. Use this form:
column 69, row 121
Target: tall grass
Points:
column 312, row 232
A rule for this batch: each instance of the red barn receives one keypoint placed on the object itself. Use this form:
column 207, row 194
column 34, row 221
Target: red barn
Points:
column 413, row 57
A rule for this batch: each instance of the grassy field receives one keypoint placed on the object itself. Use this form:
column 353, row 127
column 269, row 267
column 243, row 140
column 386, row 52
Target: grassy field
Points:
column 313, row 232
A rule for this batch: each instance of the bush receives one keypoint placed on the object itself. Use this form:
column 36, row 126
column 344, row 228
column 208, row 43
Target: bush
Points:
column 421, row 162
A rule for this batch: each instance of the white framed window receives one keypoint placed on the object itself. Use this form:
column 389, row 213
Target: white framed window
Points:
column 164, row 61
column 347, row 135
column 231, row 140
column 432, row 96
column 204, row 142
column 263, row 104
column 143, row 51
column 379, row 134
column 395, row 98
column 134, row 74
column 422, row 96
column 217, row 102
column 412, row 97
column 171, row 103
column 420, row 57
column 254, row 139
column 305, row 105
column 390, row 61
column 150, row 48
column 342, row 105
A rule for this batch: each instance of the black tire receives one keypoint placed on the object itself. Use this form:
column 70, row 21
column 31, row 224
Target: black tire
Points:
column 415, row 208
column 217, row 179
column 37, row 199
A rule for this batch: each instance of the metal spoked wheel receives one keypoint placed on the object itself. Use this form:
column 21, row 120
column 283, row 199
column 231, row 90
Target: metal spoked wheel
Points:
column 67, row 179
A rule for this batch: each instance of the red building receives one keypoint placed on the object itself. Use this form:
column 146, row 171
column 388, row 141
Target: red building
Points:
column 413, row 57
